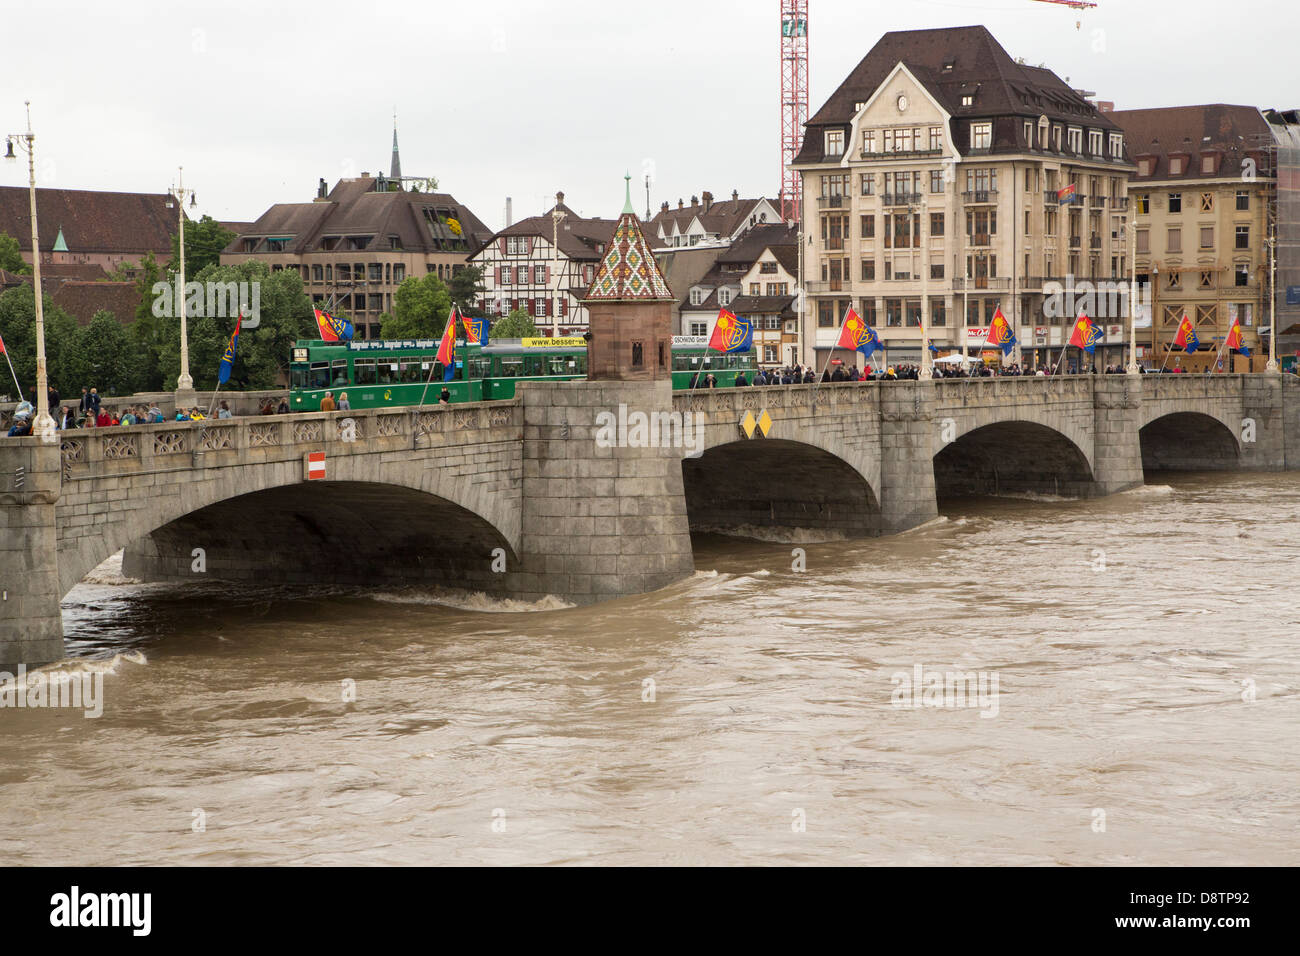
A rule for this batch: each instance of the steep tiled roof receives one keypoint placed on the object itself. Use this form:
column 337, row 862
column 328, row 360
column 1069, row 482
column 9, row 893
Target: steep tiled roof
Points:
column 355, row 208
column 745, row 305
column 750, row 246
column 82, row 300
column 91, row 221
column 950, row 63
column 578, row 238
column 1230, row 133
column 629, row 270
column 721, row 217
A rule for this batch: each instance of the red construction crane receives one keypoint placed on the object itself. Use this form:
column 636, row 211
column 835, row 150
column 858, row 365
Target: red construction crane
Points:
column 794, row 99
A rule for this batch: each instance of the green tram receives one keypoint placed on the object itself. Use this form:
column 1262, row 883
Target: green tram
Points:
column 394, row 373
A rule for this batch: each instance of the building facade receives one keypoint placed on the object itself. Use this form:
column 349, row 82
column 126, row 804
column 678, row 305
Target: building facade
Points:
column 706, row 222
column 544, row 265
column 944, row 180
column 1202, row 197
column 357, row 243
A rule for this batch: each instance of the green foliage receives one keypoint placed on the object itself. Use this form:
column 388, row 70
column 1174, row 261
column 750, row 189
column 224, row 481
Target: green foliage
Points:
column 204, row 241
column 105, row 358
column 262, row 357
column 62, row 342
column 466, row 285
column 420, row 309
column 11, row 257
column 517, row 325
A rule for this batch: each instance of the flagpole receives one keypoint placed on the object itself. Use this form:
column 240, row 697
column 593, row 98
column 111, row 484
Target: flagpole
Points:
column 429, row 380
column 10, row 362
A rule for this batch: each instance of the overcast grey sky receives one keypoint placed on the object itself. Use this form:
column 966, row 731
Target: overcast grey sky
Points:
column 259, row 99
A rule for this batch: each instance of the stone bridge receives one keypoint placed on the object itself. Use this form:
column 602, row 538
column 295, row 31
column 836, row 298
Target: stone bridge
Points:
column 558, row 492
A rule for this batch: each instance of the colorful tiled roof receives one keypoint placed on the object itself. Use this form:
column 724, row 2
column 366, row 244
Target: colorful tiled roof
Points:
column 629, row 270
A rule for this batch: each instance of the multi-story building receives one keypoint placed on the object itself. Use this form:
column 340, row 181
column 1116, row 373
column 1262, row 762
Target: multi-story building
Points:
column 707, row 222
column 545, row 265
column 355, row 244
column 933, row 181
column 1201, row 198
column 90, row 228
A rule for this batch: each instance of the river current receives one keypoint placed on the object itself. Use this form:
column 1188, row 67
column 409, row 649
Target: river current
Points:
column 1139, row 703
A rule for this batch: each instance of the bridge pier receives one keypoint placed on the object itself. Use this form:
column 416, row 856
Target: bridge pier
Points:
column 31, row 625
column 598, row 521
column 1117, row 419
column 907, row 443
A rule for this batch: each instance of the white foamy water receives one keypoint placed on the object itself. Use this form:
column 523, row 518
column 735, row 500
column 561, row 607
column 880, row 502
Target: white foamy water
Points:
column 1145, row 647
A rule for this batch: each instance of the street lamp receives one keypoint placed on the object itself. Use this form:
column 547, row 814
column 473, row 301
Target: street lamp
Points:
column 1272, row 300
column 43, row 427
column 184, row 383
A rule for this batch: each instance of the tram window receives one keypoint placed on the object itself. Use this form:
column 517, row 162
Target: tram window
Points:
column 580, row 366
column 511, row 365
column 365, row 372
column 320, row 375
column 534, row 365
column 480, row 367
column 388, row 373
column 339, row 372
column 298, row 376
column 413, row 370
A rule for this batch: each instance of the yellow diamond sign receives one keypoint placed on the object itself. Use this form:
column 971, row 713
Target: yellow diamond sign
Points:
column 765, row 423
column 747, row 424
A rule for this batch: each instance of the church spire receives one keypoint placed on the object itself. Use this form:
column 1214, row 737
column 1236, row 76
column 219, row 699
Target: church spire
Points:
column 396, row 171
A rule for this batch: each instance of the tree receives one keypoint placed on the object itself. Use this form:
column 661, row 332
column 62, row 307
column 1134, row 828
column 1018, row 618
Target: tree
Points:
column 62, row 343
column 11, row 256
column 263, row 354
column 204, row 241
column 465, row 286
column 105, row 356
column 420, row 309
column 517, row 325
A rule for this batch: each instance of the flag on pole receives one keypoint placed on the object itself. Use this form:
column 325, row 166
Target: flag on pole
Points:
column 1000, row 333
column 1186, row 339
column 447, row 348
column 2, row 346
column 731, row 334
column 1085, row 335
column 1067, row 194
column 857, row 335
column 228, row 357
column 333, row 328
column 1234, row 340
column 476, row 330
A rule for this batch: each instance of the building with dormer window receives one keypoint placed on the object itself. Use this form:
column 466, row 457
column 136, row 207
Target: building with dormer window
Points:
column 933, row 188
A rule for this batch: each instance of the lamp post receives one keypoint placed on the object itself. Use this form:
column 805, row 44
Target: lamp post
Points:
column 1155, row 294
column 43, row 427
column 1272, row 300
column 184, row 383
column 1132, row 300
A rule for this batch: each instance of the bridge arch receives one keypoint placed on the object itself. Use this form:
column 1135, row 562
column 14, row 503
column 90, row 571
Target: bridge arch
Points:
column 741, row 485
column 1190, row 441
column 1019, row 454
column 258, row 516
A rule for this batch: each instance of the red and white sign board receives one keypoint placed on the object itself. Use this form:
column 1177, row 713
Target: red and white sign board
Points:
column 315, row 465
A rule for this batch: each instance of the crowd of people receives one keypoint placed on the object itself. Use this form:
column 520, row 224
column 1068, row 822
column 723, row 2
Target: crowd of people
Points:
column 93, row 412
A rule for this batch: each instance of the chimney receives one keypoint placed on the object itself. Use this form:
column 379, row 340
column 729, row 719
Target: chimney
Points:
column 680, row 204
column 664, row 207
column 322, row 190
column 708, row 200
column 1106, row 106
column 695, row 201
column 510, row 213
column 365, row 175
column 559, row 198
column 735, row 195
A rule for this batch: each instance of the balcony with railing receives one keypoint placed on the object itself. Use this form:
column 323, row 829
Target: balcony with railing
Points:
column 977, row 196
column 1076, row 242
column 832, row 202
column 826, row 287
column 1097, row 202
column 981, row 284
column 1119, row 203
column 979, row 239
column 901, row 199
column 1094, row 242
column 899, row 153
